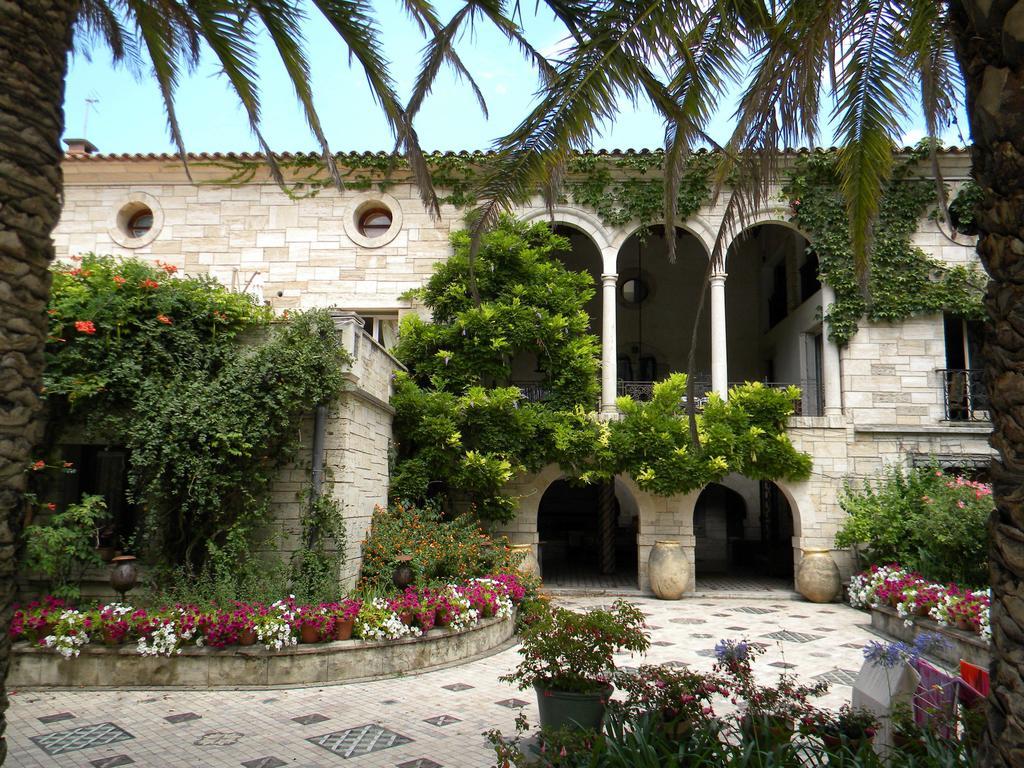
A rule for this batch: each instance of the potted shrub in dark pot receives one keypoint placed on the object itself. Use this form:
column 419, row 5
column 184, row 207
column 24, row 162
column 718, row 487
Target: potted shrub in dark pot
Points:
column 568, row 658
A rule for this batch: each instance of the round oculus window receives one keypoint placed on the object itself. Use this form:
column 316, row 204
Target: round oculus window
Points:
column 139, row 223
column 634, row 290
column 374, row 222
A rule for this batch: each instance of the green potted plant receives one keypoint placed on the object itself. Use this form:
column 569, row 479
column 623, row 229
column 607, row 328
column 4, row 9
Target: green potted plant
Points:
column 568, row 659
column 846, row 731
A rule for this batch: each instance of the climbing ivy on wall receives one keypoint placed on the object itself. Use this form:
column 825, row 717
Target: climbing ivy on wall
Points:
column 630, row 188
column 619, row 189
column 903, row 279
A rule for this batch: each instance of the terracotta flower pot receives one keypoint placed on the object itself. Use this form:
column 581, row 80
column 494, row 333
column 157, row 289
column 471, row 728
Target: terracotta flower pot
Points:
column 247, row 637
column 834, row 741
column 309, row 634
column 675, row 726
column 768, row 730
column 111, row 637
column 964, row 624
column 343, row 629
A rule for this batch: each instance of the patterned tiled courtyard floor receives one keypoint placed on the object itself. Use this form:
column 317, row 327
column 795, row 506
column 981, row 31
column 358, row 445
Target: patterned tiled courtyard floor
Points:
column 418, row 721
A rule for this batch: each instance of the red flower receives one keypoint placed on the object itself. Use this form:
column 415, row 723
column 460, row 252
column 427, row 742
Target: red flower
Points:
column 51, row 506
column 119, row 280
column 149, row 283
column 170, row 269
column 85, row 326
column 165, row 319
column 39, row 465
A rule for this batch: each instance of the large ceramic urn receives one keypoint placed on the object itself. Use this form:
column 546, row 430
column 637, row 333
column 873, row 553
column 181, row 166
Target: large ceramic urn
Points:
column 668, row 570
column 528, row 566
column 817, row 577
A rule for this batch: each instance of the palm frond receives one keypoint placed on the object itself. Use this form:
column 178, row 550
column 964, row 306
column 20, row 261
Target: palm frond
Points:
column 163, row 43
column 98, row 22
column 423, row 13
column 353, row 21
column 439, row 49
column 232, row 42
column 283, row 20
column 928, row 45
column 872, row 93
column 705, row 65
column 494, row 11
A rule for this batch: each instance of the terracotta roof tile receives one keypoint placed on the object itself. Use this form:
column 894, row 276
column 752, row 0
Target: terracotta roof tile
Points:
column 256, row 156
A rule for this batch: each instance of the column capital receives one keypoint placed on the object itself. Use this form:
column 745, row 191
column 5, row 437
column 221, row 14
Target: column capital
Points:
column 718, row 277
column 609, row 278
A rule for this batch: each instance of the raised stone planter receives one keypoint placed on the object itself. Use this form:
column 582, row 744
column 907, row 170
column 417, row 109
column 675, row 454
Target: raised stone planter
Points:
column 254, row 667
column 962, row 645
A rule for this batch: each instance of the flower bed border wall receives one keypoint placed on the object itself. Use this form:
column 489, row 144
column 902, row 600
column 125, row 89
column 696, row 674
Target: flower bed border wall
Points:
column 255, row 667
column 962, row 645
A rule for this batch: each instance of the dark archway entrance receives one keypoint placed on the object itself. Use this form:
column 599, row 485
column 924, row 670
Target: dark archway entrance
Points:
column 744, row 535
column 588, row 537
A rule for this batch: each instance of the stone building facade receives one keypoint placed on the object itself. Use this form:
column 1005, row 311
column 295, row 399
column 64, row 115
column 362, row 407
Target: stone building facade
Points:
column 886, row 397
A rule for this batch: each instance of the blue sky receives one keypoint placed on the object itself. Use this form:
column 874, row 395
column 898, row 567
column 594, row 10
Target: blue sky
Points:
column 128, row 115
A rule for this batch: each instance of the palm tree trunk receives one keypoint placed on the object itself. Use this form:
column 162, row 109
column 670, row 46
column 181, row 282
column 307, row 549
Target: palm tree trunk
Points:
column 990, row 46
column 33, row 63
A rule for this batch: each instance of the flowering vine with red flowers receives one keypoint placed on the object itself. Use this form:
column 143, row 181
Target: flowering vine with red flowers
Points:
column 194, row 382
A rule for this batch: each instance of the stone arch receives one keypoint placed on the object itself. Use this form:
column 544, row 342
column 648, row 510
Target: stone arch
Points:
column 662, row 517
column 700, row 230
column 584, row 221
column 658, row 517
column 773, row 214
column 797, row 497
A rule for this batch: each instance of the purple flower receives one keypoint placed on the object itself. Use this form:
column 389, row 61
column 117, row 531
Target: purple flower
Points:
column 729, row 651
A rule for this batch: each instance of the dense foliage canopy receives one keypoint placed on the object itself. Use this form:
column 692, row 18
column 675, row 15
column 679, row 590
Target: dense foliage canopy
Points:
column 465, row 429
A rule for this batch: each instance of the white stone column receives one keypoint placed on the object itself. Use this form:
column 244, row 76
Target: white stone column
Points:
column 830, row 370
column 609, row 348
column 719, row 355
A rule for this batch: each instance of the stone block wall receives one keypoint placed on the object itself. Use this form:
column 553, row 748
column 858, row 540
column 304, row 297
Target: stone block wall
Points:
column 356, row 446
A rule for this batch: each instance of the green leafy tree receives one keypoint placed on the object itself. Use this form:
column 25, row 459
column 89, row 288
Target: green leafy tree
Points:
column 744, row 433
column 64, row 545
column 463, row 428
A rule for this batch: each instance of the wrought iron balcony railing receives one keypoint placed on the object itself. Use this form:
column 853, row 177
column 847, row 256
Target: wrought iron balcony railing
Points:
column 964, row 394
column 643, row 391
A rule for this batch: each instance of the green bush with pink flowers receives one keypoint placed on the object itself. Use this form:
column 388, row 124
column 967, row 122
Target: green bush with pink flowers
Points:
column 929, row 521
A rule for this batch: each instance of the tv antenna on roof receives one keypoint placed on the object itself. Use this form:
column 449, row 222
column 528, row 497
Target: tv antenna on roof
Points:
column 91, row 100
